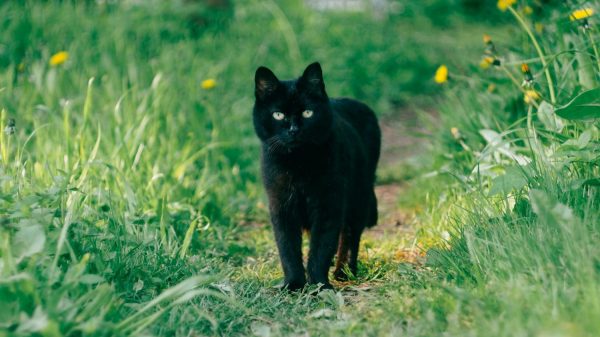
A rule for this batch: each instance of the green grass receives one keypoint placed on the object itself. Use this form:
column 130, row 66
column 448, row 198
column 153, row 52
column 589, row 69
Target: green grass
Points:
column 130, row 200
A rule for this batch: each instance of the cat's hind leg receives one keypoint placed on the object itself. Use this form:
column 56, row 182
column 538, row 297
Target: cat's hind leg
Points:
column 356, row 228
column 342, row 255
column 354, row 246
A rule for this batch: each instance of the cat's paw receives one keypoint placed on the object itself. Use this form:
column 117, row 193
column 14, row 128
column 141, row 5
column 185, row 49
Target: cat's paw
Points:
column 344, row 274
column 340, row 275
column 294, row 285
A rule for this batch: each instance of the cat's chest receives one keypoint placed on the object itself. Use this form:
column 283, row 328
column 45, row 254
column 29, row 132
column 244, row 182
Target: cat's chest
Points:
column 301, row 178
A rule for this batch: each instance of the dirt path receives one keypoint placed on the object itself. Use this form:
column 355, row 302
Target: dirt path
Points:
column 399, row 136
column 396, row 226
column 391, row 217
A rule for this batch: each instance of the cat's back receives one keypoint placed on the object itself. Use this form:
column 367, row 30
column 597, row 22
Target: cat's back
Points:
column 364, row 122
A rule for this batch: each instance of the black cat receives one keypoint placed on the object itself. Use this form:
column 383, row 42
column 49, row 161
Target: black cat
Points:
column 319, row 157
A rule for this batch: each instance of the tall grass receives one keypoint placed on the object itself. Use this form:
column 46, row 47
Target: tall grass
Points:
column 124, row 182
column 129, row 195
column 523, row 253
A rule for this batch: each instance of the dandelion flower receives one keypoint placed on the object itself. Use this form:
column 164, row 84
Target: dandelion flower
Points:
column 528, row 78
column 486, row 62
column 208, row 84
column 441, row 74
column 490, row 49
column 531, row 96
column 59, row 58
column 455, row 133
column 503, row 5
column 581, row 14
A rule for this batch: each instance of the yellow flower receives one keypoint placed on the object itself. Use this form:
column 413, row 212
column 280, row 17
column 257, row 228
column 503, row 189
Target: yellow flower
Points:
column 441, row 74
column 487, row 39
column 208, row 84
column 486, row 62
column 581, row 14
column 504, row 4
column 531, row 96
column 455, row 133
column 59, row 58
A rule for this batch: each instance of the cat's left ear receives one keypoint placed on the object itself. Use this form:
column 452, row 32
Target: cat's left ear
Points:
column 312, row 78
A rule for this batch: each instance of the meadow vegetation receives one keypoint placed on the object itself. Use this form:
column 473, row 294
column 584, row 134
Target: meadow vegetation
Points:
column 130, row 200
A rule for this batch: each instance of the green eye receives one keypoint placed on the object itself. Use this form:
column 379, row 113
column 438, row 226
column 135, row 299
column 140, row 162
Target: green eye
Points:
column 307, row 113
column 278, row 115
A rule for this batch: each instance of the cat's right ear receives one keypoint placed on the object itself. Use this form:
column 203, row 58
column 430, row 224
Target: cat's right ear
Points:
column 265, row 82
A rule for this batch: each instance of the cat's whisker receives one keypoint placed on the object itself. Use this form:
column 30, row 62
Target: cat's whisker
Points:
column 274, row 144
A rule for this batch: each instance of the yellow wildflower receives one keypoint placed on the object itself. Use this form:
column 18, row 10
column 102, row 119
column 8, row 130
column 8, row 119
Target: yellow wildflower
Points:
column 486, row 62
column 581, row 14
column 490, row 49
column 208, row 84
column 527, row 10
column 505, row 4
column 59, row 58
column 441, row 74
column 527, row 77
column 455, row 133
column 531, row 96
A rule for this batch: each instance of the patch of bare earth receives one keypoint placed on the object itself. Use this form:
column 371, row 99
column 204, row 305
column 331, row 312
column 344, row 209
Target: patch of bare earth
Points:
column 396, row 226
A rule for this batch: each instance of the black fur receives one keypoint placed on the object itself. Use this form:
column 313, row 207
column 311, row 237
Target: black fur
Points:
column 318, row 171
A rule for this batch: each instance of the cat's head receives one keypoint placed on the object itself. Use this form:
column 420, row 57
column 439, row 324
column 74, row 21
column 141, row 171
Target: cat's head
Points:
column 291, row 114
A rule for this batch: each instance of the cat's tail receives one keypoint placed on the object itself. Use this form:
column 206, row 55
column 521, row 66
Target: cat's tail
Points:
column 372, row 204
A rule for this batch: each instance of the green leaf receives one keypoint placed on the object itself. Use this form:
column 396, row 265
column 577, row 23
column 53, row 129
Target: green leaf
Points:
column 550, row 211
column 513, row 179
column 547, row 116
column 585, row 71
column 584, row 106
column 91, row 279
column 584, row 139
column 36, row 323
column 28, row 241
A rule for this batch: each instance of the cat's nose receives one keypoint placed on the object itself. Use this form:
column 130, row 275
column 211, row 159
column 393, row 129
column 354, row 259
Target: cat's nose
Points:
column 293, row 130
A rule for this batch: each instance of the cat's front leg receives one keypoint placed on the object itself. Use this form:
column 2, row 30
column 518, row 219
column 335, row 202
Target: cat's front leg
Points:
column 326, row 222
column 288, row 236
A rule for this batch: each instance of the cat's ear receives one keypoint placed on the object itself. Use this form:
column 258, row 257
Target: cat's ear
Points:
column 265, row 82
column 312, row 78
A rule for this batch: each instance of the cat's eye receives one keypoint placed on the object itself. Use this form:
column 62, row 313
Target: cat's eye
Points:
column 278, row 115
column 307, row 113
